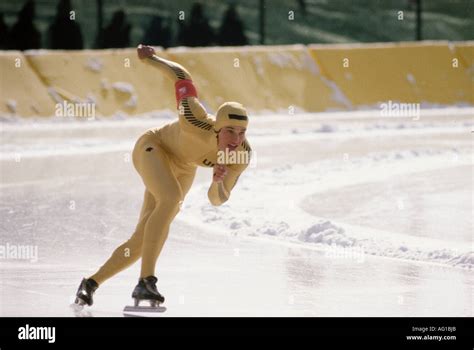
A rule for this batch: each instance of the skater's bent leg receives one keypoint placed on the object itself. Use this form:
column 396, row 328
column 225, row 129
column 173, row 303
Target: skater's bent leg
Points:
column 159, row 223
column 156, row 233
column 130, row 251
column 162, row 216
column 158, row 173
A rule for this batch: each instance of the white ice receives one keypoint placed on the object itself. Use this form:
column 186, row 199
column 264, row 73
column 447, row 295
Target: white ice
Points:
column 339, row 214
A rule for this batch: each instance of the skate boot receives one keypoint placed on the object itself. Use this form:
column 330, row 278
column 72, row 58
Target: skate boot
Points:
column 146, row 290
column 85, row 292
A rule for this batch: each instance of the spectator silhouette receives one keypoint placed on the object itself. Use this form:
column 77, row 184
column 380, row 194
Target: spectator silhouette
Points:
column 181, row 36
column 197, row 32
column 117, row 33
column 65, row 33
column 231, row 32
column 157, row 34
column 302, row 6
column 24, row 35
column 3, row 33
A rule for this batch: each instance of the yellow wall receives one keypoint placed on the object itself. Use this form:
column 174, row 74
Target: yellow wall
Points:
column 20, row 87
column 314, row 78
column 404, row 72
column 262, row 78
column 465, row 52
column 99, row 75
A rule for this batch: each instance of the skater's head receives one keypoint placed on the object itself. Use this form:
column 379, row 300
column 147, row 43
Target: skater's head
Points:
column 231, row 125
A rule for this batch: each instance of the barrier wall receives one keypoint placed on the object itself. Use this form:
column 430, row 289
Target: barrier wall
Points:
column 262, row 78
column 21, row 90
column 466, row 52
column 313, row 78
column 404, row 72
column 114, row 79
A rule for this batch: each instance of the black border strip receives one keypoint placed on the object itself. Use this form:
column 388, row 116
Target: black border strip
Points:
column 354, row 330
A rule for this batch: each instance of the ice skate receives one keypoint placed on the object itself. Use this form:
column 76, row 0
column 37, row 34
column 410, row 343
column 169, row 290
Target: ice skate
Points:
column 146, row 290
column 85, row 292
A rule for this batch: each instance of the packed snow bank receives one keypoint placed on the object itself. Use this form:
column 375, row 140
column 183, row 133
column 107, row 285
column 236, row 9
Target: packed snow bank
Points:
column 266, row 204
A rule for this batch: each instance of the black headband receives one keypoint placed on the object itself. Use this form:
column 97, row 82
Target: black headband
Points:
column 238, row 117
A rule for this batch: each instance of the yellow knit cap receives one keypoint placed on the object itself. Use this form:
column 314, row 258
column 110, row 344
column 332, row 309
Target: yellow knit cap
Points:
column 231, row 114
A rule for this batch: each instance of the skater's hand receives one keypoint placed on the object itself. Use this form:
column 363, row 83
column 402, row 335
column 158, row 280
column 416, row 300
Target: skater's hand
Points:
column 145, row 51
column 220, row 171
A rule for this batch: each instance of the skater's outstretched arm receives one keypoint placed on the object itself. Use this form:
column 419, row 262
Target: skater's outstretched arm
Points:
column 193, row 116
column 172, row 70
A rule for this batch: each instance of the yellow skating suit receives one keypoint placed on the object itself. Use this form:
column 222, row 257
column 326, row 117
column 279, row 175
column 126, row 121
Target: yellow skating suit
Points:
column 166, row 159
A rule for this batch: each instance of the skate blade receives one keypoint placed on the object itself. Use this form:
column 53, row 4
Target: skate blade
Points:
column 146, row 309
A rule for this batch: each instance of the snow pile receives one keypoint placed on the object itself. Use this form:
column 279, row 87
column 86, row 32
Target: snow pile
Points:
column 326, row 128
column 129, row 89
column 271, row 229
column 337, row 94
column 266, row 205
column 94, row 64
column 327, row 233
column 288, row 60
column 411, row 79
column 124, row 87
column 12, row 105
column 463, row 260
column 258, row 65
column 283, row 60
column 132, row 102
column 54, row 94
column 310, row 64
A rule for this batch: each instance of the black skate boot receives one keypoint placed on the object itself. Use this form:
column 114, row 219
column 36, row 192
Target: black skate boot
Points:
column 86, row 291
column 146, row 290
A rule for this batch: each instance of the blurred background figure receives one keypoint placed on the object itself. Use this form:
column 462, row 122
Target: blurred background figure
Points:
column 64, row 32
column 196, row 32
column 24, row 35
column 230, row 22
column 158, row 33
column 3, row 33
column 117, row 33
column 231, row 31
column 302, row 6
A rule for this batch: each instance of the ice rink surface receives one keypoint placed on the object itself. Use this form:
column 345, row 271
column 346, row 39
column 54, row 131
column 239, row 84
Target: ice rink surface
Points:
column 339, row 214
